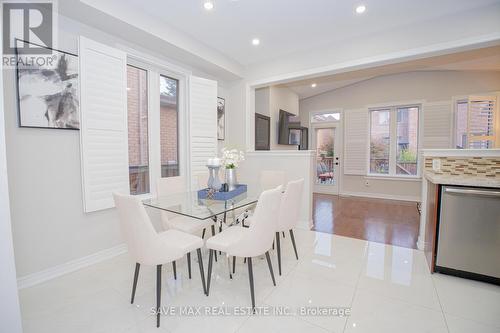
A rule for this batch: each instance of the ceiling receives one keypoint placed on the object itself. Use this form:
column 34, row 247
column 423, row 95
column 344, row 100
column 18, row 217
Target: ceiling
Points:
column 486, row 59
column 289, row 26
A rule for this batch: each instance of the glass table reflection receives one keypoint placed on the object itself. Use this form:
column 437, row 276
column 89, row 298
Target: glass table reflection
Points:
column 188, row 204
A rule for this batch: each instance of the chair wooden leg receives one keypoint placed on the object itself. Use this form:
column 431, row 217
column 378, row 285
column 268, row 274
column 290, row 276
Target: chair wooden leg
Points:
column 202, row 271
column 250, row 276
column 175, row 270
column 283, row 234
column 203, row 233
column 278, row 248
column 293, row 243
column 270, row 267
column 234, row 264
column 158, row 294
column 209, row 274
column 213, row 234
column 189, row 264
column 134, row 286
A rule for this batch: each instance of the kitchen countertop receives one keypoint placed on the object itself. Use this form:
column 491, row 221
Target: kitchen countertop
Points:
column 462, row 180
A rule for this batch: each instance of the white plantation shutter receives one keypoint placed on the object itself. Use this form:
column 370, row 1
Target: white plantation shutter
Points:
column 481, row 119
column 438, row 125
column 203, row 124
column 356, row 141
column 103, row 133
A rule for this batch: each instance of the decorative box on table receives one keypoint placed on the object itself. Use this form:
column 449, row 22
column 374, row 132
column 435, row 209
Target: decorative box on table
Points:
column 240, row 189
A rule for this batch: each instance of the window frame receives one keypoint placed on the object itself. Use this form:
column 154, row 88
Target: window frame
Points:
column 465, row 98
column 456, row 100
column 154, row 70
column 393, row 124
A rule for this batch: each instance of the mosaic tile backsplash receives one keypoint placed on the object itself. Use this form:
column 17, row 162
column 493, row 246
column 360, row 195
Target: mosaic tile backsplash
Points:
column 488, row 167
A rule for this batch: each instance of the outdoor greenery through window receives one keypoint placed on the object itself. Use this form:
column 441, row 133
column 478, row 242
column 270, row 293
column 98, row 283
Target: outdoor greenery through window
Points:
column 169, row 126
column 137, row 109
column 407, row 141
column 394, row 141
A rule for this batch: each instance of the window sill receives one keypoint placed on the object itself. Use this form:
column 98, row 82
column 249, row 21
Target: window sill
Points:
column 392, row 177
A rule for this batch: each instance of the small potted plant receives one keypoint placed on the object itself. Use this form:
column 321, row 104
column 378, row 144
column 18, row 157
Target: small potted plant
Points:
column 231, row 159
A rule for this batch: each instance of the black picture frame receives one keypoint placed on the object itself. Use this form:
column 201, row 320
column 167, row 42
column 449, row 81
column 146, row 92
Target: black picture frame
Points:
column 262, row 132
column 18, row 88
column 221, row 118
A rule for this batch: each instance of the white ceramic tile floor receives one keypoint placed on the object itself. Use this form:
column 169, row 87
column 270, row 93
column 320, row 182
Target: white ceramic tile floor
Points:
column 386, row 288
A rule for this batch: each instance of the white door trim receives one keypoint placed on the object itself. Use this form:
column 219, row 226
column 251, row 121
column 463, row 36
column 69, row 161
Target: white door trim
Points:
column 339, row 138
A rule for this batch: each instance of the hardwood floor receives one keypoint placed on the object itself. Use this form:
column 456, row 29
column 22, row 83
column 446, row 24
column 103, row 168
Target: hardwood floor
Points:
column 377, row 220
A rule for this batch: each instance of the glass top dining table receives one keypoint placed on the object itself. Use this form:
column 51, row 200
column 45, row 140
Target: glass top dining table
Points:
column 188, row 204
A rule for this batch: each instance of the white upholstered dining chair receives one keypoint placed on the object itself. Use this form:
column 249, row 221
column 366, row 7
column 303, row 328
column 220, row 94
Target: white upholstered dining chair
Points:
column 289, row 215
column 174, row 185
column 147, row 247
column 249, row 242
column 268, row 179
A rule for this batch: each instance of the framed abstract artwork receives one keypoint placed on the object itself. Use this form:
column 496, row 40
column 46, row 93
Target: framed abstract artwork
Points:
column 221, row 118
column 48, row 93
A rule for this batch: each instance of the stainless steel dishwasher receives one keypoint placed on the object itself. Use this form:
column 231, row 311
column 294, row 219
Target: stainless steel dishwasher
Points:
column 469, row 233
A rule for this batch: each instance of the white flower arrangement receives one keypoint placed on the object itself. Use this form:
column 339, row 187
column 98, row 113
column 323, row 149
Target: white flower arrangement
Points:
column 232, row 157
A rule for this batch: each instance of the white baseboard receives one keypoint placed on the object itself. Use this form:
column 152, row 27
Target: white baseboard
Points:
column 68, row 267
column 420, row 243
column 381, row 196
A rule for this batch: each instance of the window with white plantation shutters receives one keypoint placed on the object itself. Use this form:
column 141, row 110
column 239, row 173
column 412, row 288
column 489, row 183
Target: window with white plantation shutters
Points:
column 103, row 133
column 203, row 124
column 481, row 119
column 356, row 141
column 438, row 121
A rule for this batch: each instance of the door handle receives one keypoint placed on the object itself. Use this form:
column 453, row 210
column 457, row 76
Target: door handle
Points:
column 472, row 192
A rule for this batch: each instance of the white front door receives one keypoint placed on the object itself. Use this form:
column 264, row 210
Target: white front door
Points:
column 327, row 144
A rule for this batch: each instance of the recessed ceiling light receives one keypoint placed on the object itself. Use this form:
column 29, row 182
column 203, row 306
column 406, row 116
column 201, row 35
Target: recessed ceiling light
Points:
column 314, row 85
column 360, row 9
column 208, row 5
column 255, row 41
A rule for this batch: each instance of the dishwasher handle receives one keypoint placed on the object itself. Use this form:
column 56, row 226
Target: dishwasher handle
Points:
column 472, row 192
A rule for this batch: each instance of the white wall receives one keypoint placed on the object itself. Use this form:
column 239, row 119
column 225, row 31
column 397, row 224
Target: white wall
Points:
column 10, row 314
column 269, row 101
column 428, row 86
column 284, row 99
column 295, row 164
column 262, row 101
column 48, row 223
